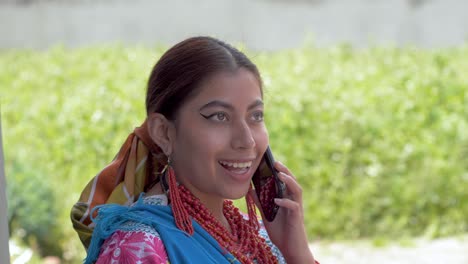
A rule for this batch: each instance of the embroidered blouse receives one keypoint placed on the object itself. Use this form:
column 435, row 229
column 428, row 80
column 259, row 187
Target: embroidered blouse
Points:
column 140, row 243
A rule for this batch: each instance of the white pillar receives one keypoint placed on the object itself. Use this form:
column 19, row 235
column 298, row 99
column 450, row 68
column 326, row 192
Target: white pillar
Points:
column 4, row 251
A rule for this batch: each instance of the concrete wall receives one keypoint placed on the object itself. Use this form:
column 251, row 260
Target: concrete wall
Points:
column 4, row 252
column 260, row 24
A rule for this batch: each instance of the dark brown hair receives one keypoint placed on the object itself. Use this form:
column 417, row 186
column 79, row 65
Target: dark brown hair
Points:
column 183, row 67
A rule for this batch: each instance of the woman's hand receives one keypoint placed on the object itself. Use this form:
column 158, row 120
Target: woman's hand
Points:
column 287, row 231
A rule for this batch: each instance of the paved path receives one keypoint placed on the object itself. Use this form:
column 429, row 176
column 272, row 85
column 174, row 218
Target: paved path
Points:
column 440, row 251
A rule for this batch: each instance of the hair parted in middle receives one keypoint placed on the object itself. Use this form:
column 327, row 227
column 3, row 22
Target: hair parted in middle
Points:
column 179, row 72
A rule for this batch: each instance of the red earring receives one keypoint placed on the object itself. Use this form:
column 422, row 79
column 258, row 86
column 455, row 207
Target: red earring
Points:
column 181, row 217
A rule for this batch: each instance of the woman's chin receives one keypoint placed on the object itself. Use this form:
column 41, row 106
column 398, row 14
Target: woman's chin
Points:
column 236, row 194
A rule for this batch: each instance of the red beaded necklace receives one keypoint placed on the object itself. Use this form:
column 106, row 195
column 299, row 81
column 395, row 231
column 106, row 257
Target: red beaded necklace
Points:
column 244, row 242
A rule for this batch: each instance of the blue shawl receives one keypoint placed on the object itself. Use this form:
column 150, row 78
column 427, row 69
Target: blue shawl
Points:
column 180, row 246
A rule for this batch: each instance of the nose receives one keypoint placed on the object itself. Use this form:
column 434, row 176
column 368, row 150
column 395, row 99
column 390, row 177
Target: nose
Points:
column 242, row 137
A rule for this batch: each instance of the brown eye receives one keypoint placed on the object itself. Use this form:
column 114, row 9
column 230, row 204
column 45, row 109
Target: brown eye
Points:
column 221, row 117
column 257, row 116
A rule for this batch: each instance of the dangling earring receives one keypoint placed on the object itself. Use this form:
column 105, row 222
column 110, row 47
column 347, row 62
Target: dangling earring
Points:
column 164, row 175
column 181, row 217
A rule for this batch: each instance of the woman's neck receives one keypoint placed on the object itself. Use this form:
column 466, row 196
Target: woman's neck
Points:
column 214, row 204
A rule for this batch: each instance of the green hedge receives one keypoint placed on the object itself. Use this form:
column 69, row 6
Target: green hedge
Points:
column 377, row 137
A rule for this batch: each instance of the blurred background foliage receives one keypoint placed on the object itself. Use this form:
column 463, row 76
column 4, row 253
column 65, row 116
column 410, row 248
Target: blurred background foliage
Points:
column 378, row 137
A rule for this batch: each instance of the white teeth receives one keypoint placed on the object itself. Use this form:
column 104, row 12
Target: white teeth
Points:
column 237, row 164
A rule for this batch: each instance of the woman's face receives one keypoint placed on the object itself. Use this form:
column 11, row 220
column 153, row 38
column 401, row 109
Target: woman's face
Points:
column 220, row 136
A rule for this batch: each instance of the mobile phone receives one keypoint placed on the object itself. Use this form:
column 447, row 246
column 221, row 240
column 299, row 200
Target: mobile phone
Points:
column 268, row 186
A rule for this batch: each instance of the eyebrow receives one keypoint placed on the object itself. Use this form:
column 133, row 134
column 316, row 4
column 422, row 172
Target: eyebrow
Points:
column 218, row 103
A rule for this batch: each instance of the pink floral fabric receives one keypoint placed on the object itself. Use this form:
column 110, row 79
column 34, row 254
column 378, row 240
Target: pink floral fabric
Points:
column 133, row 247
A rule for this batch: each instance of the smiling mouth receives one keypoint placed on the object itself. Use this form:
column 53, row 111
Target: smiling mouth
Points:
column 236, row 167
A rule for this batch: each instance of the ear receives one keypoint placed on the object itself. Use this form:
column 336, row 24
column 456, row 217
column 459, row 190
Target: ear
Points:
column 161, row 131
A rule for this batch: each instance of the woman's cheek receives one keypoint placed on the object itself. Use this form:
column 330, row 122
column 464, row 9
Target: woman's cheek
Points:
column 261, row 137
column 212, row 138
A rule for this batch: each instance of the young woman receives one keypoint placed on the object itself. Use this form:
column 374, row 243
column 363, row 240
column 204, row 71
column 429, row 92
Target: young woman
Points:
column 198, row 149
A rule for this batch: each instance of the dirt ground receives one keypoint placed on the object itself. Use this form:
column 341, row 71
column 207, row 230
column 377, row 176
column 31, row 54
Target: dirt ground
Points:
column 420, row 251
